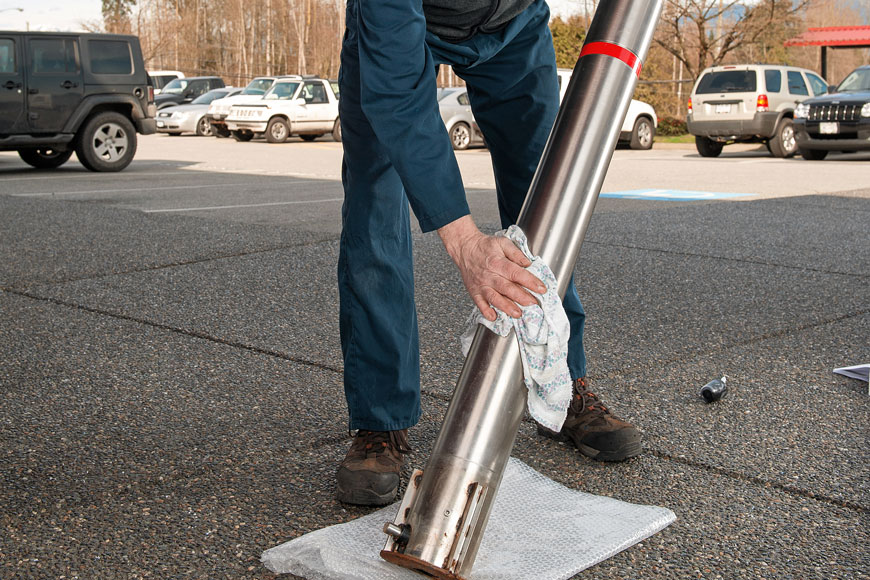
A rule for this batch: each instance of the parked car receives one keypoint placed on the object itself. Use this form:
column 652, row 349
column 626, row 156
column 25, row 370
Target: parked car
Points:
column 749, row 103
column 639, row 126
column 191, row 117
column 185, row 90
column 160, row 78
column 62, row 92
column 304, row 106
column 458, row 119
column 839, row 121
column 220, row 108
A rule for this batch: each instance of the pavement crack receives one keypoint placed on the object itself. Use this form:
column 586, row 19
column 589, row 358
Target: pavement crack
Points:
column 727, row 259
column 734, row 474
column 177, row 330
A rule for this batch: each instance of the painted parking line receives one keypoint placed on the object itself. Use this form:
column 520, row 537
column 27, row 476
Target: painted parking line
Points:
column 673, row 195
column 240, row 206
column 133, row 189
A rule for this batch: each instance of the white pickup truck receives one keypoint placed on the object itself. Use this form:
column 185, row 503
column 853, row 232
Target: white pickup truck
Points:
column 303, row 106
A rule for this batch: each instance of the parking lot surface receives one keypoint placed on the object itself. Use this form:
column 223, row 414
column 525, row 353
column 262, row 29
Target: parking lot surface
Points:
column 172, row 379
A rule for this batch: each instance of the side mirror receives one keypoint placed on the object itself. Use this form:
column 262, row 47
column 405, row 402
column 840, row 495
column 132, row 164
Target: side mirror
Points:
column 832, row 88
column 300, row 101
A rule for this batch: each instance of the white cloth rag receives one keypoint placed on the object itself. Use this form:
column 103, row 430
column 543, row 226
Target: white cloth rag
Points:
column 542, row 334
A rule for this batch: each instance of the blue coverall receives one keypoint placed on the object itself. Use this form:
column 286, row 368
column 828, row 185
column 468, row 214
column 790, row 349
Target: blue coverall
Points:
column 396, row 151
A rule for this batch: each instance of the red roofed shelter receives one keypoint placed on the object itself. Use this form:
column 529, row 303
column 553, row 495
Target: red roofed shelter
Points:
column 835, row 37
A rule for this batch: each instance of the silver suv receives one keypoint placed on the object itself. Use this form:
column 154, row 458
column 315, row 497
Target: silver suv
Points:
column 749, row 104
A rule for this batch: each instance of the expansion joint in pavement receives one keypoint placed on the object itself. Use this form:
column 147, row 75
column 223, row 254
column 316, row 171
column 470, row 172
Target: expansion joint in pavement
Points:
column 727, row 259
column 174, row 329
column 791, row 490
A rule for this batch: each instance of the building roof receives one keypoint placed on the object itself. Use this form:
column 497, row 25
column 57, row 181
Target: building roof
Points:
column 839, row 36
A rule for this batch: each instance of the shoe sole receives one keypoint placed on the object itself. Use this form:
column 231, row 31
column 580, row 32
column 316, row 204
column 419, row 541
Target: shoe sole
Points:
column 366, row 488
column 364, row 497
column 632, row 449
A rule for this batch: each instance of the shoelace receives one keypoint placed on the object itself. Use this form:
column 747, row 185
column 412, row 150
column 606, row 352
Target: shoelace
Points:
column 586, row 400
column 378, row 442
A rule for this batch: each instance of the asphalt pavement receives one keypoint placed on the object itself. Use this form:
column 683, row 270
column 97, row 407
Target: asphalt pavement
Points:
column 171, row 375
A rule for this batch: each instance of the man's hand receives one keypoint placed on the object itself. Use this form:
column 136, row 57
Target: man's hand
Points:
column 492, row 268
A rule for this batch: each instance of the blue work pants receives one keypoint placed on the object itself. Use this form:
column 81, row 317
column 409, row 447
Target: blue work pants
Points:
column 514, row 94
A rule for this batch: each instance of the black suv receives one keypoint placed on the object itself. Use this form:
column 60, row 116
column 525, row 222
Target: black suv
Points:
column 839, row 121
column 65, row 92
column 184, row 90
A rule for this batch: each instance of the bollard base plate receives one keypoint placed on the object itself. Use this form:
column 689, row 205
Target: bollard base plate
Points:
column 419, row 566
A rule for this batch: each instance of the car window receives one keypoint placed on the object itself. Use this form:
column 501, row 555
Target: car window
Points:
column 728, row 81
column 53, row 55
column 314, row 94
column 818, row 85
column 281, row 91
column 7, row 56
column 258, row 86
column 209, row 97
column 796, row 84
column 858, row 80
column 335, row 88
column 773, row 80
column 463, row 99
column 197, row 88
column 111, row 57
column 175, row 87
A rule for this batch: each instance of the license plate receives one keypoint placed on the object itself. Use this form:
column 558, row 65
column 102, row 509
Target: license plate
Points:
column 723, row 109
column 829, row 128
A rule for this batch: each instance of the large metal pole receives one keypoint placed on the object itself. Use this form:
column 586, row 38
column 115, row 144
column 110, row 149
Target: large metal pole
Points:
column 446, row 508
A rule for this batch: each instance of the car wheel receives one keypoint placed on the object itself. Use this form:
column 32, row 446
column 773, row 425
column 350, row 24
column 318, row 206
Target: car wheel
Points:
column 460, row 136
column 203, row 127
column 106, row 142
column 310, row 137
column 643, row 134
column 220, row 132
column 242, row 135
column 783, row 144
column 277, row 130
column 708, row 147
column 813, row 154
column 45, row 158
column 336, row 131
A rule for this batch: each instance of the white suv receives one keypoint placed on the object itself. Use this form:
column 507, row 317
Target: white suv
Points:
column 749, row 103
column 302, row 106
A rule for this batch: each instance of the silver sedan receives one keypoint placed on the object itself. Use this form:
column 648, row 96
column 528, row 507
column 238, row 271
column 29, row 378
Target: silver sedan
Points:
column 190, row 117
column 456, row 114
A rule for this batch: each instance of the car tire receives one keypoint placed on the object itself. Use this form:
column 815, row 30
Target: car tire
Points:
column 643, row 134
column 106, row 142
column 220, row 132
column 203, row 127
column 310, row 137
column 44, row 158
column 708, row 147
column 336, row 131
column 460, row 136
column 242, row 136
column 814, row 154
column 278, row 130
column 783, row 144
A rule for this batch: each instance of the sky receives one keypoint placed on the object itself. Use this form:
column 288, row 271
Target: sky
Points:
column 71, row 14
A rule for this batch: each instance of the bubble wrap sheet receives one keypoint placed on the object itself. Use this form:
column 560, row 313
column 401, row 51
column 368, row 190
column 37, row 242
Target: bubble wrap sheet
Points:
column 537, row 529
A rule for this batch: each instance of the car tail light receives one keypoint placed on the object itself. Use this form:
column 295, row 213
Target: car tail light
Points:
column 150, row 94
column 762, row 104
column 690, row 105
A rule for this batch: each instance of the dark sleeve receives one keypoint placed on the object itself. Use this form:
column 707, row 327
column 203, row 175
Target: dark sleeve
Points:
column 397, row 79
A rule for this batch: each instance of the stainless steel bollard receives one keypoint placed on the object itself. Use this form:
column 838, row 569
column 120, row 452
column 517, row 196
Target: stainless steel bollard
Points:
column 446, row 507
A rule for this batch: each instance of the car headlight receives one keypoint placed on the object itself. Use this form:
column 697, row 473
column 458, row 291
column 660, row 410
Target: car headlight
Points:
column 865, row 110
column 802, row 111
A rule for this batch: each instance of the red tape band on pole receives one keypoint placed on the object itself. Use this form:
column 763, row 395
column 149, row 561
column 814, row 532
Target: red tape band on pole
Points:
column 616, row 51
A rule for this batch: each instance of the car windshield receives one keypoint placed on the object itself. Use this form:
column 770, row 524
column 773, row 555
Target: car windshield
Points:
column 258, row 86
column 175, row 87
column 281, row 91
column 858, row 80
column 727, row 81
column 209, row 97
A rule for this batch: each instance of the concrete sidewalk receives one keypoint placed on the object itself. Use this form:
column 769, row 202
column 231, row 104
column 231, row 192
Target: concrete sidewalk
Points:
column 172, row 384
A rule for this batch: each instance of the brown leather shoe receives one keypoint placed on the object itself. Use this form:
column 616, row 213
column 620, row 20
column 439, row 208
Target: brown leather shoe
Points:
column 369, row 474
column 594, row 430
